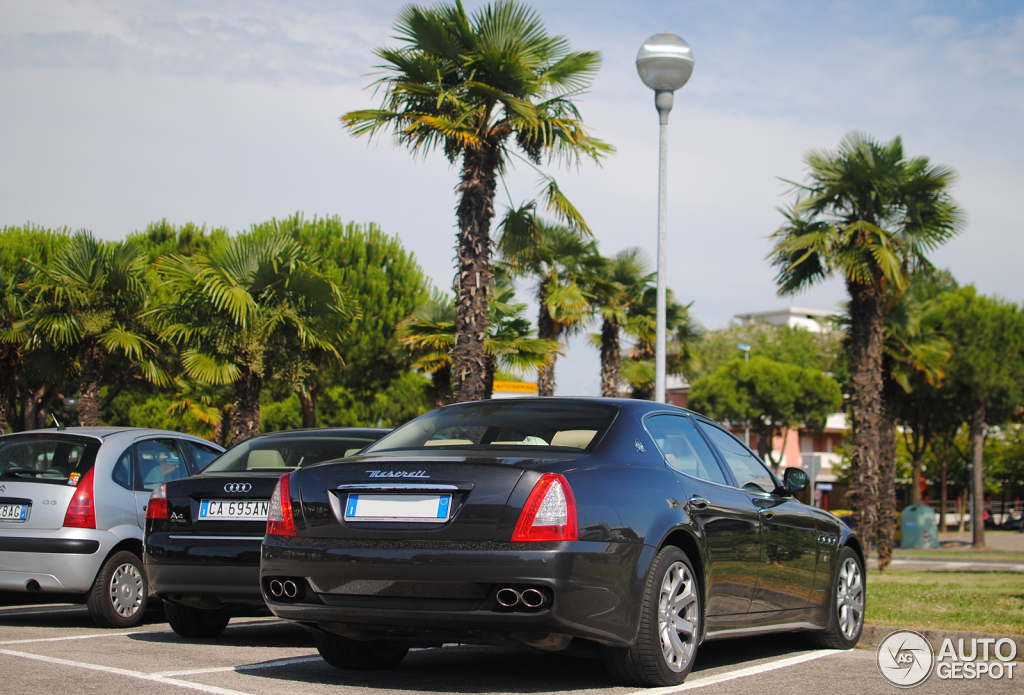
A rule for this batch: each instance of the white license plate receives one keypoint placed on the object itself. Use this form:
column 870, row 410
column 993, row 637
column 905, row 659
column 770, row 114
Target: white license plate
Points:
column 431, row 509
column 224, row 510
column 13, row 512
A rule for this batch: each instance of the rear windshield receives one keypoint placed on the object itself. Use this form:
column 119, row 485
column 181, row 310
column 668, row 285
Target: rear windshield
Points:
column 287, row 453
column 504, row 424
column 55, row 459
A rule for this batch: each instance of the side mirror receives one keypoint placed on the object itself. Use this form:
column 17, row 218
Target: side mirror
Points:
column 795, row 480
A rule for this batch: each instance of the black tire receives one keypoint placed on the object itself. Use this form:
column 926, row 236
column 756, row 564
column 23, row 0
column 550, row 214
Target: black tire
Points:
column 645, row 663
column 342, row 652
column 194, row 622
column 119, row 595
column 838, row 635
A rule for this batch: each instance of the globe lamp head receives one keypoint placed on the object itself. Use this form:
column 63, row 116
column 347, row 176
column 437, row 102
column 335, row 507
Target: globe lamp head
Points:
column 665, row 61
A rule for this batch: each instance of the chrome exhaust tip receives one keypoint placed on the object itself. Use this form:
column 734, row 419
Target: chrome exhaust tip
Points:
column 290, row 589
column 533, row 598
column 276, row 588
column 507, row 597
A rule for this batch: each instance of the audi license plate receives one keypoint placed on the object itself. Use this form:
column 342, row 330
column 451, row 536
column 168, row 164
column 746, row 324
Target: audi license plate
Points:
column 13, row 512
column 222, row 510
column 431, row 509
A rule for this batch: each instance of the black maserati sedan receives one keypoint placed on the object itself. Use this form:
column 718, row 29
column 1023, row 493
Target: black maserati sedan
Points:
column 202, row 537
column 623, row 528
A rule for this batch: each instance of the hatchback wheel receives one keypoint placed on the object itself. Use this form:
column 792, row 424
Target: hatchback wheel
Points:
column 666, row 645
column 119, row 595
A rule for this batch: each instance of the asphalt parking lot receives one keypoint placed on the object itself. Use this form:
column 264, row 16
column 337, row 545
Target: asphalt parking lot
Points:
column 57, row 649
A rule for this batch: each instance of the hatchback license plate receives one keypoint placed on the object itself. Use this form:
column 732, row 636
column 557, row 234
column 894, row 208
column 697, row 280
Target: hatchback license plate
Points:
column 225, row 510
column 430, row 509
column 13, row 512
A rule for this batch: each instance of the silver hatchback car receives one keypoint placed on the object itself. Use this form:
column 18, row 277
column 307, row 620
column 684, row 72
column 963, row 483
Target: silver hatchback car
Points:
column 73, row 508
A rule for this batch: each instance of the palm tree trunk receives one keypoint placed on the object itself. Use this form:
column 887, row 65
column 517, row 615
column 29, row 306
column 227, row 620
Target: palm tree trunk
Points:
column 866, row 337
column 943, row 495
column 476, row 209
column 245, row 407
column 8, row 372
column 441, row 381
column 307, row 402
column 492, row 369
column 610, row 358
column 978, row 458
column 546, row 329
column 90, row 358
column 887, row 476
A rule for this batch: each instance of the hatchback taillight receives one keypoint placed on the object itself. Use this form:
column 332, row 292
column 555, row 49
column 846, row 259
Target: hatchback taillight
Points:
column 82, row 510
column 157, row 506
column 549, row 513
column 280, row 521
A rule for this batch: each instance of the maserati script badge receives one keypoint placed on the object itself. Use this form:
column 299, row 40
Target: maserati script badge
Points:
column 398, row 474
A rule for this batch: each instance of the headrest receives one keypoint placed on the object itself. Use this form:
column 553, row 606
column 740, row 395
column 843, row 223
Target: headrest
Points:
column 266, row 458
column 578, row 439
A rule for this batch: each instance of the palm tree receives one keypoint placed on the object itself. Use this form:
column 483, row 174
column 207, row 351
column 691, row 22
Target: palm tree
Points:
column 90, row 300
column 868, row 214
column 252, row 308
column 430, row 335
column 620, row 284
column 683, row 333
column 12, row 334
column 563, row 264
column 481, row 87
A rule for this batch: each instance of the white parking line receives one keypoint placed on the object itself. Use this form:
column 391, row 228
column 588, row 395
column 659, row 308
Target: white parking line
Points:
column 250, row 623
column 741, row 673
column 214, row 690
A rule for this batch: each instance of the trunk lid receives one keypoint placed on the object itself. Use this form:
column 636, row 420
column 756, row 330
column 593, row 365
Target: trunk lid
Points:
column 46, row 504
column 483, row 492
column 230, row 501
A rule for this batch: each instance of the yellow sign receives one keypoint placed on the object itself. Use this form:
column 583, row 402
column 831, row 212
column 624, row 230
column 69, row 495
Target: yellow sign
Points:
column 515, row 387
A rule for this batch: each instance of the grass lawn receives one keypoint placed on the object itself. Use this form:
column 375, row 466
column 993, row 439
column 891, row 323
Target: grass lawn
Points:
column 971, row 601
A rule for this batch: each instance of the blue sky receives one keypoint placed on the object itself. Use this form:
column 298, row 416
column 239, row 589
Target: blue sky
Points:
column 116, row 114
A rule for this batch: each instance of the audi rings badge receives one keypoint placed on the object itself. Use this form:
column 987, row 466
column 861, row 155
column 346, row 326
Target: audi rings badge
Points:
column 238, row 487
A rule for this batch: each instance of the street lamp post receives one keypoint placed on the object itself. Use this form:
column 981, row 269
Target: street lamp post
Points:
column 746, row 358
column 665, row 63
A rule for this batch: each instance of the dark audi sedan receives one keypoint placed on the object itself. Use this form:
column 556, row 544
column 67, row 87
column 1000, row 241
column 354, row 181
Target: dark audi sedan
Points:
column 624, row 528
column 202, row 542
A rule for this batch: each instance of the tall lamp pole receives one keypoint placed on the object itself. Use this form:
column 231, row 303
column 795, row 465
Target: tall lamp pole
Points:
column 665, row 63
column 746, row 358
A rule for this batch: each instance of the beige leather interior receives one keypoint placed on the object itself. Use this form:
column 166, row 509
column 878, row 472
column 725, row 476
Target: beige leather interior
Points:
column 578, row 439
column 268, row 458
column 447, row 442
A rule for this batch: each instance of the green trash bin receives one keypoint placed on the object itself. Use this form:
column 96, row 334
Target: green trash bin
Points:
column 918, row 527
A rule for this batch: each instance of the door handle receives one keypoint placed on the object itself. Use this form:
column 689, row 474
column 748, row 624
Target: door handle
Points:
column 698, row 502
column 766, row 514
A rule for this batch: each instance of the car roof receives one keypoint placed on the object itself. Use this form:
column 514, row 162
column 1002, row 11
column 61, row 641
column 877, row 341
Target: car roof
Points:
column 327, row 430
column 625, row 403
column 101, row 432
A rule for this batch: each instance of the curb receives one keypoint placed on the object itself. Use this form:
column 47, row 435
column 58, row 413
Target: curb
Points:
column 873, row 635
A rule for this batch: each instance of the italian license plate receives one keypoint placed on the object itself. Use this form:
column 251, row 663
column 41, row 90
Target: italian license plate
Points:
column 13, row 512
column 431, row 509
column 224, row 510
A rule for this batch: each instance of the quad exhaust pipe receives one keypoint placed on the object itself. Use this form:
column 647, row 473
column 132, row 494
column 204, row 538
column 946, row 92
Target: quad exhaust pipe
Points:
column 287, row 588
column 528, row 598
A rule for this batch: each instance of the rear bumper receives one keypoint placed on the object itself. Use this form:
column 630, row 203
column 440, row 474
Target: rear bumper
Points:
column 65, row 560
column 204, row 571
column 430, row 592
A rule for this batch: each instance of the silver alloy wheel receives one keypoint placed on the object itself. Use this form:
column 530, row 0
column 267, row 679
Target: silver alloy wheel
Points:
column 126, row 590
column 850, row 598
column 678, row 616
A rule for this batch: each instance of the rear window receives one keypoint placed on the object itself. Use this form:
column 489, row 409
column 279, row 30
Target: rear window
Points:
column 55, row 459
column 505, row 424
column 286, row 453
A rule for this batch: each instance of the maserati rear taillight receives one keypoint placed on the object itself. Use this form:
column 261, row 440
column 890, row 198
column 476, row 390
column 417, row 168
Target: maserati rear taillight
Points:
column 157, row 506
column 549, row 513
column 82, row 510
column 280, row 521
